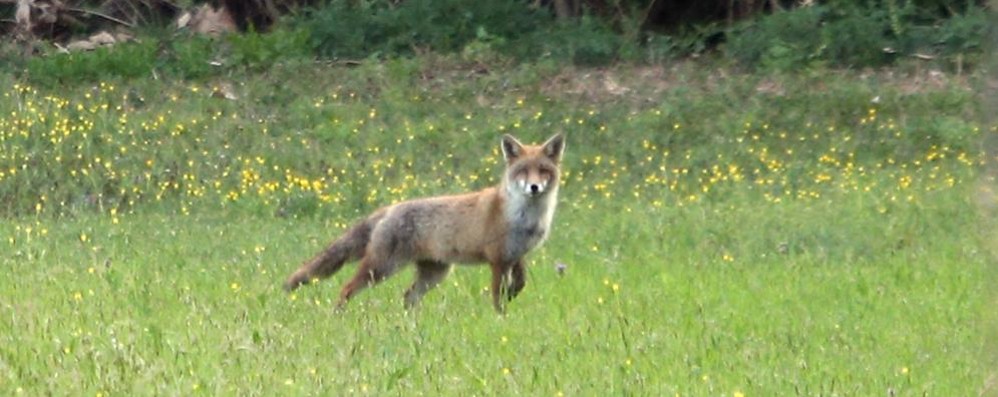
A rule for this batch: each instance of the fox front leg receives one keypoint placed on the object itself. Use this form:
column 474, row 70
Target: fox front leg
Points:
column 507, row 282
column 500, row 274
column 518, row 279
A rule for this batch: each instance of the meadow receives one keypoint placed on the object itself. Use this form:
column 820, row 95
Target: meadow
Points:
column 722, row 233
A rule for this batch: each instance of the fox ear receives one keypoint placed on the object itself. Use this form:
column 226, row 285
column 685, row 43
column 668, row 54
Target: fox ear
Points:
column 511, row 148
column 554, row 147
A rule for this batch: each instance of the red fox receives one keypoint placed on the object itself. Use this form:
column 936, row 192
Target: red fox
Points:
column 497, row 225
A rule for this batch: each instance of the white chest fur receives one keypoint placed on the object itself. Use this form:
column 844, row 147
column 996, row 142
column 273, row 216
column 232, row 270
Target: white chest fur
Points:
column 529, row 222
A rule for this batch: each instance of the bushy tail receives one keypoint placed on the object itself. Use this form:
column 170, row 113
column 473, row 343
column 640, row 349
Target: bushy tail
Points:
column 348, row 247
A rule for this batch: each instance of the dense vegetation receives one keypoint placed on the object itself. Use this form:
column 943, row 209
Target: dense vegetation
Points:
column 851, row 34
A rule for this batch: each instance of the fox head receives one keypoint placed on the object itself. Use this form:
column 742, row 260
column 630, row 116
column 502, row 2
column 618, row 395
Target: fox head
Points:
column 532, row 170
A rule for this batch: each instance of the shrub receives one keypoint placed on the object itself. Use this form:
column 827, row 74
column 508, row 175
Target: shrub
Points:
column 586, row 41
column 780, row 41
column 474, row 28
column 965, row 32
column 259, row 51
column 127, row 60
column 183, row 58
column 854, row 35
column 187, row 58
column 344, row 31
column 857, row 38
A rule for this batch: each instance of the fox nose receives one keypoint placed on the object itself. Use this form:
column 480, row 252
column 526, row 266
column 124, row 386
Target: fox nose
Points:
column 535, row 188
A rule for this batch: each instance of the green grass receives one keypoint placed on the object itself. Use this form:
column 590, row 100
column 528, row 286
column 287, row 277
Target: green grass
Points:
column 722, row 236
column 160, row 305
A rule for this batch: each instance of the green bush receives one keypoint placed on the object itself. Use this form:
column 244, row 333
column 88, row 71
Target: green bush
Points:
column 964, row 33
column 126, row 61
column 259, row 51
column 694, row 40
column 473, row 28
column 854, row 35
column 839, row 33
column 780, row 41
column 340, row 30
column 587, row 41
column 189, row 58
column 857, row 38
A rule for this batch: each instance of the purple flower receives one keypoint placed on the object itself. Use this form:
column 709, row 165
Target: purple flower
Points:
column 560, row 268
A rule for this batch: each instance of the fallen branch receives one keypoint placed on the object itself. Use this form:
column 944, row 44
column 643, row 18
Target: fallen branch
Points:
column 105, row 16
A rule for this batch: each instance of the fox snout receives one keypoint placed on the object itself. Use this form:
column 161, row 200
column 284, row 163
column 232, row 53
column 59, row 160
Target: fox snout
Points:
column 533, row 188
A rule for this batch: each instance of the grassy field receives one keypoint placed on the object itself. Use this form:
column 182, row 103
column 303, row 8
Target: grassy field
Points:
column 826, row 233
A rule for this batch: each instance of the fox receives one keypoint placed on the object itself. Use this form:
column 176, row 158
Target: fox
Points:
column 497, row 226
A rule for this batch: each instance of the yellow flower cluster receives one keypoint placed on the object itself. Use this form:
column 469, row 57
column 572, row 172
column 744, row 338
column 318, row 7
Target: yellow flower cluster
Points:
column 111, row 150
column 778, row 165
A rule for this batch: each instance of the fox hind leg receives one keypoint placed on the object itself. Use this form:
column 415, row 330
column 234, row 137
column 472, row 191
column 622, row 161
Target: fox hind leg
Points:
column 428, row 275
column 373, row 269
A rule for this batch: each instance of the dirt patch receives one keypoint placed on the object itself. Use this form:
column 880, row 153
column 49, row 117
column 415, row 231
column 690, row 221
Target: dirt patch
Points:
column 628, row 83
column 918, row 80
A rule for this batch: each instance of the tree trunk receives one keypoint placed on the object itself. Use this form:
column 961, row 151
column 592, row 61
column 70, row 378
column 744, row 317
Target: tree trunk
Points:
column 563, row 9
